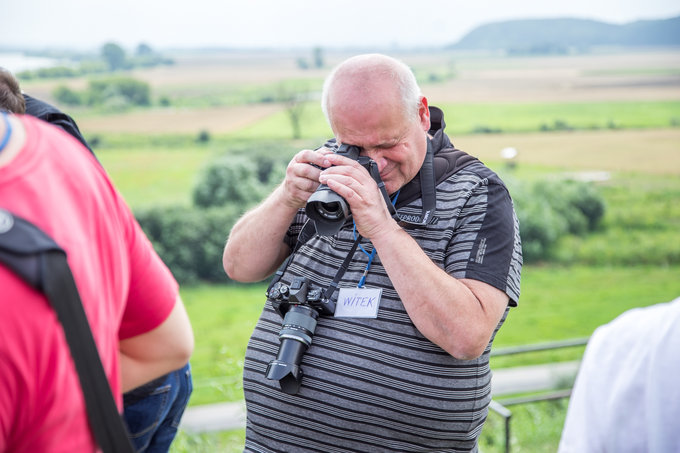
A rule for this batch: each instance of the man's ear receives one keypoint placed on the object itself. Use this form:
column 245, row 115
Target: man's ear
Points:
column 424, row 114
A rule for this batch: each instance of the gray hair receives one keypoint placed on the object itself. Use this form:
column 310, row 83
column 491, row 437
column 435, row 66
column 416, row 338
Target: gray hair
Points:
column 389, row 69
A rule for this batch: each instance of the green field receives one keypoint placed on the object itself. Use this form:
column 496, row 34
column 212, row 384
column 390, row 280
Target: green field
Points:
column 557, row 303
column 610, row 115
column 493, row 117
column 559, row 300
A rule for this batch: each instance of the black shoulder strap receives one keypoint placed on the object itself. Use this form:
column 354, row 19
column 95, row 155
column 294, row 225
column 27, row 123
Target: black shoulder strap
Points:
column 37, row 259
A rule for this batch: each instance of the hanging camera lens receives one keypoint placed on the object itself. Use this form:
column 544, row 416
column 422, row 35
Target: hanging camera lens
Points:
column 296, row 336
column 299, row 304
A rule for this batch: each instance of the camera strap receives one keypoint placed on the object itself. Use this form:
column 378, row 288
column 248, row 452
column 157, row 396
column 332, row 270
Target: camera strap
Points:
column 328, row 292
column 427, row 189
column 332, row 286
column 423, row 187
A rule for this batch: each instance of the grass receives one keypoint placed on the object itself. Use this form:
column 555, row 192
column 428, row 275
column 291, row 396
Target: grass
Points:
column 151, row 176
column 223, row 442
column 557, row 303
column 223, row 318
column 527, row 117
column 535, row 428
column 469, row 118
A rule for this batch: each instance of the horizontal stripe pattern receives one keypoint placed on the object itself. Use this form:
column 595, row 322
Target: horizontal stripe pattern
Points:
column 378, row 384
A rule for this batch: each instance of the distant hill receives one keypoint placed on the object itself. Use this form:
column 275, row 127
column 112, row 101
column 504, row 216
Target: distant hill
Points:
column 568, row 35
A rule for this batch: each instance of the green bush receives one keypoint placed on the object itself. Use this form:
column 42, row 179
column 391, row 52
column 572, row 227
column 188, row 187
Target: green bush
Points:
column 131, row 91
column 550, row 210
column 233, row 180
column 578, row 203
column 540, row 227
column 67, row 96
column 190, row 241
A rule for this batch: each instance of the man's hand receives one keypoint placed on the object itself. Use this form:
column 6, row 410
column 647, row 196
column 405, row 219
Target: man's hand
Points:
column 302, row 176
column 349, row 179
column 263, row 228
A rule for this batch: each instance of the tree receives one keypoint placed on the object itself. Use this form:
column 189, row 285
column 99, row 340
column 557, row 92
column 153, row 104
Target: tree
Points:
column 230, row 180
column 318, row 57
column 144, row 50
column 294, row 101
column 114, row 55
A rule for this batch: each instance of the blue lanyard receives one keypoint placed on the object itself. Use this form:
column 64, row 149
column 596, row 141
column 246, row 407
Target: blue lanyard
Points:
column 8, row 131
column 362, row 280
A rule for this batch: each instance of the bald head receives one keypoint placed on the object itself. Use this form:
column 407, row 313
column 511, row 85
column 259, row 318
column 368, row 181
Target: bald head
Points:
column 366, row 81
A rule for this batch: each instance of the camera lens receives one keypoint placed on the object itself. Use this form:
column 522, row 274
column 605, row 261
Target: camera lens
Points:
column 331, row 211
column 296, row 335
column 328, row 210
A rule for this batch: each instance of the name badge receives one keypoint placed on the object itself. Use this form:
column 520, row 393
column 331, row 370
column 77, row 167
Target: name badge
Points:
column 358, row 302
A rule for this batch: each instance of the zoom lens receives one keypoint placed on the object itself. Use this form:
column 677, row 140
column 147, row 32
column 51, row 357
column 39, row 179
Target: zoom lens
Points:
column 296, row 335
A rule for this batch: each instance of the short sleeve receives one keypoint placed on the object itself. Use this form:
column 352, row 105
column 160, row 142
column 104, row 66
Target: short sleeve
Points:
column 152, row 291
column 487, row 233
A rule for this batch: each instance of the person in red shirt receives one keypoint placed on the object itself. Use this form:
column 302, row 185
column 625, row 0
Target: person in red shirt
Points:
column 132, row 301
column 153, row 410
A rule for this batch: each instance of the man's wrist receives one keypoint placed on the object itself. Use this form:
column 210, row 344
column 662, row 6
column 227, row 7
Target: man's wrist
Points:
column 388, row 235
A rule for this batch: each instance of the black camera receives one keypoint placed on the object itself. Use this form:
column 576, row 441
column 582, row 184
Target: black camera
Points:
column 327, row 209
column 300, row 304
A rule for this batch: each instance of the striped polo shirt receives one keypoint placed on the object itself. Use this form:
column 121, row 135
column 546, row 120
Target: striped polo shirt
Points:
column 377, row 384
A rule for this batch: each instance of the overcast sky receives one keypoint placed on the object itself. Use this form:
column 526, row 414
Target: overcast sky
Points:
column 162, row 24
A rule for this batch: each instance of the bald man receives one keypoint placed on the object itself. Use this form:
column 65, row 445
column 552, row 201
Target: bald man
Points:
column 414, row 282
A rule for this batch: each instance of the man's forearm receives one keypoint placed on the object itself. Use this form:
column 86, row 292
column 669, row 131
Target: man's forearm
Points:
column 457, row 315
column 255, row 247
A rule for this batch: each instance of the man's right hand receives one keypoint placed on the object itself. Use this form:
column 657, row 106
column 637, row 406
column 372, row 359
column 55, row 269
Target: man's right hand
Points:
column 263, row 228
column 302, row 175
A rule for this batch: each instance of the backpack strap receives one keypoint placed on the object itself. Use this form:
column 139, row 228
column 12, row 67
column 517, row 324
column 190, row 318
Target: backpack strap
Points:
column 38, row 260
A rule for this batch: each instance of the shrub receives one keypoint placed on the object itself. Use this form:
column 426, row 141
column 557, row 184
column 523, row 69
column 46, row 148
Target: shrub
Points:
column 67, row 96
column 230, row 180
column 119, row 90
column 540, row 226
column 549, row 210
column 203, row 136
column 190, row 241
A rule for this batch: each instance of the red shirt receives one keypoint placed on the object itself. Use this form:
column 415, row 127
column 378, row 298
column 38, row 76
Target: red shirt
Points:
column 126, row 290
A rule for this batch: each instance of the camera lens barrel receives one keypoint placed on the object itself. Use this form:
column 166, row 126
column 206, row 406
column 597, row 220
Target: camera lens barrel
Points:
column 296, row 334
column 299, row 324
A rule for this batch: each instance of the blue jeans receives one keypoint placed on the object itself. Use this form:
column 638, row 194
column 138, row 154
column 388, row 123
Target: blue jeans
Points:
column 153, row 411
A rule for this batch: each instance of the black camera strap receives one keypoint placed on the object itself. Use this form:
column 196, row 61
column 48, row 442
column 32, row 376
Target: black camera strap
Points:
column 37, row 259
column 328, row 292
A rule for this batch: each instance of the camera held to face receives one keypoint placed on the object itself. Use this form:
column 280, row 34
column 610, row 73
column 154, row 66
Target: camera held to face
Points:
column 300, row 305
column 327, row 209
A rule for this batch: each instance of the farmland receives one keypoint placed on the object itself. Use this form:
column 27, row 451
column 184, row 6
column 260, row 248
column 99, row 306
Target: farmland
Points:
column 612, row 118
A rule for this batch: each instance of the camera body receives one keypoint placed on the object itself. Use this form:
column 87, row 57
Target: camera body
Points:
column 300, row 305
column 327, row 209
